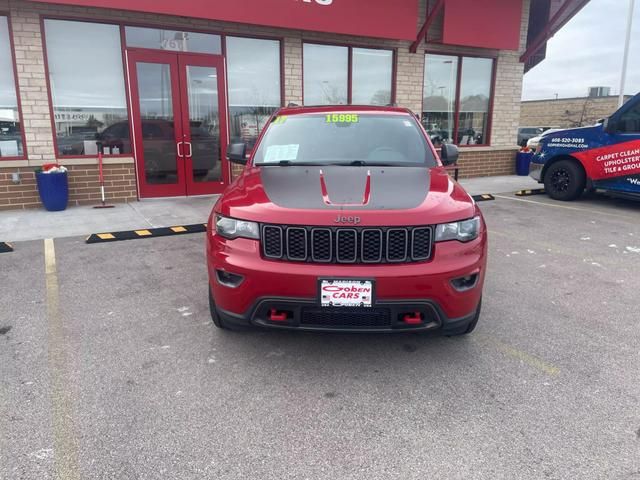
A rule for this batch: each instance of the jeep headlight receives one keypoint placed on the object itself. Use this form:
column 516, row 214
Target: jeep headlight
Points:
column 463, row 231
column 233, row 228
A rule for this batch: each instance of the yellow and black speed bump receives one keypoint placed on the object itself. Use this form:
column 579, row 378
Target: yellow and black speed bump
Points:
column 5, row 247
column 527, row 193
column 146, row 233
column 483, row 198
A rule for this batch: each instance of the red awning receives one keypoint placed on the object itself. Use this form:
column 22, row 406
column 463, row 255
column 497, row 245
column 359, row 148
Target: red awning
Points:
column 395, row 19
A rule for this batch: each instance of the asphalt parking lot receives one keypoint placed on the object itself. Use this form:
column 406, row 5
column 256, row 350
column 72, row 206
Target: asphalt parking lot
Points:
column 111, row 369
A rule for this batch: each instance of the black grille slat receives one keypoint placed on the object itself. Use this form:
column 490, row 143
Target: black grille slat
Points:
column 357, row 317
column 421, row 243
column 297, row 244
column 397, row 243
column 346, row 245
column 321, row 245
column 272, row 241
column 369, row 245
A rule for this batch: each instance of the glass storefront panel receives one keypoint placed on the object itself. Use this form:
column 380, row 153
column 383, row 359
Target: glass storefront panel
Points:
column 10, row 128
column 158, row 123
column 325, row 74
column 444, row 101
column 439, row 102
column 204, row 124
column 254, row 86
column 371, row 77
column 87, row 87
column 173, row 40
column 475, row 93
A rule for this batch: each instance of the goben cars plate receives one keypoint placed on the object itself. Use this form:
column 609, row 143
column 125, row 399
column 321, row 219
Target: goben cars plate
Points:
column 346, row 293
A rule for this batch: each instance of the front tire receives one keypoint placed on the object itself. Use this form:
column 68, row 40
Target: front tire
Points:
column 565, row 180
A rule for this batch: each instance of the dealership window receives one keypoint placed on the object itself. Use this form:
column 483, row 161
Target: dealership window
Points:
column 347, row 75
column 457, row 94
column 86, row 81
column 11, row 144
column 254, row 85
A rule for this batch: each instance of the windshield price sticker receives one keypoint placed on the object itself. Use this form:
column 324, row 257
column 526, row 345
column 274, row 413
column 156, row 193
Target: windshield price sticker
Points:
column 280, row 153
column 280, row 120
column 342, row 118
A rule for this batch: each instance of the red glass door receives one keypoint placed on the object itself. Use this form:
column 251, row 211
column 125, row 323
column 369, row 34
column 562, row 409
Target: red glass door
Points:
column 179, row 122
column 204, row 123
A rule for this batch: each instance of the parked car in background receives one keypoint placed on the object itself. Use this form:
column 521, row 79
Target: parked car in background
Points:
column 526, row 133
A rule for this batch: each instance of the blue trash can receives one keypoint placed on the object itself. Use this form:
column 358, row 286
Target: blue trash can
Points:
column 54, row 190
column 523, row 160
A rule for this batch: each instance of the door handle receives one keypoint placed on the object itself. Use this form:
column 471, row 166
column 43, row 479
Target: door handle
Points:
column 180, row 153
column 190, row 154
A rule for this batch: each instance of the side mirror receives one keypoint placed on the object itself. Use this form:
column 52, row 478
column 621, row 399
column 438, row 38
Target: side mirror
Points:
column 449, row 154
column 237, row 153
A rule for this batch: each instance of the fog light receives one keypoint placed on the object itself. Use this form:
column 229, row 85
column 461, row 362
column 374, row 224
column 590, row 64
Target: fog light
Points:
column 227, row 279
column 462, row 284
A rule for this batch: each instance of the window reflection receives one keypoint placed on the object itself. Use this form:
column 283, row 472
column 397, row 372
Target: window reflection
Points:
column 440, row 78
column 475, row 90
column 87, row 87
column 325, row 74
column 156, row 115
column 254, row 86
column 204, row 123
column 173, row 40
column 371, row 78
column 441, row 95
column 10, row 131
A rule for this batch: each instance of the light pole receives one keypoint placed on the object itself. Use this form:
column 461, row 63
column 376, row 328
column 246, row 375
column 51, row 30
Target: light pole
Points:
column 625, row 58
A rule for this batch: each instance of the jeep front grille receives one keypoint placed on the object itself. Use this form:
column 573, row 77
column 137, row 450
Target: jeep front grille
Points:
column 347, row 244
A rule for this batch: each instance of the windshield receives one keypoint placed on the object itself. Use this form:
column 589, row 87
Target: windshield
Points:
column 344, row 139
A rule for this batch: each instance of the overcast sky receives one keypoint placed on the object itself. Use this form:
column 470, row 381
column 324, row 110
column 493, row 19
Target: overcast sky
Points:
column 587, row 52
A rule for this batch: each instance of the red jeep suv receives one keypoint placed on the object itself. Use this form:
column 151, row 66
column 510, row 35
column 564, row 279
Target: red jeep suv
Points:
column 344, row 219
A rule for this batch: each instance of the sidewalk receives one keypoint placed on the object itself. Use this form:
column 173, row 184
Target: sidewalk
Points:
column 21, row 225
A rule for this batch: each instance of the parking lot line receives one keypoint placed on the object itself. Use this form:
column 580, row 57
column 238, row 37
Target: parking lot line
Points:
column 526, row 358
column 65, row 442
column 568, row 207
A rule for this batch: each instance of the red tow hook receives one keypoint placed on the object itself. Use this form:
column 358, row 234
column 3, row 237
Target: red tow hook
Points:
column 414, row 318
column 276, row 316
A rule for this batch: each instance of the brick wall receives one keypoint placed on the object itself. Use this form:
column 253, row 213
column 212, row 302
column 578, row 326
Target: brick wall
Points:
column 567, row 112
column 84, row 187
column 487, row 163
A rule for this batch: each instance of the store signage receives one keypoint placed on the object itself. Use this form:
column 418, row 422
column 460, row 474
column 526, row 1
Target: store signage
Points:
column 397, row 19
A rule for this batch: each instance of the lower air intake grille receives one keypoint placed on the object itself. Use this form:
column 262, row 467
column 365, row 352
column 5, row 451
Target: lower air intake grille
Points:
column 346, row 317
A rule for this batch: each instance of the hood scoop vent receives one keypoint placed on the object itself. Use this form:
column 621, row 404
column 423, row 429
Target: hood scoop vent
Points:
column 365, row 197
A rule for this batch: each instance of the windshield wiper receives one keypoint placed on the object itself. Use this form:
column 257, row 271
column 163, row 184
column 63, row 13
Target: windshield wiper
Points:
column 289, row 163
column 364, row 163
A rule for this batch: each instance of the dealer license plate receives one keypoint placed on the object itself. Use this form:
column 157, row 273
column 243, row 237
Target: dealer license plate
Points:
column 346, row 293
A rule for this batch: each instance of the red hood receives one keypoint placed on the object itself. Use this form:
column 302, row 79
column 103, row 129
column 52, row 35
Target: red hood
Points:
column 317, row 195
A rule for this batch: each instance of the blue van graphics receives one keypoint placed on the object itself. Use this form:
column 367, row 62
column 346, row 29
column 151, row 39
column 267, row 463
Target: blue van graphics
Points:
column 605, row 156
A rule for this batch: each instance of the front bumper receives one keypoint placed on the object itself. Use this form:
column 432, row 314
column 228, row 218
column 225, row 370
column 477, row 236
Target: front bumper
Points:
column 535, row 171
column 360, row 319
column 423, row 287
